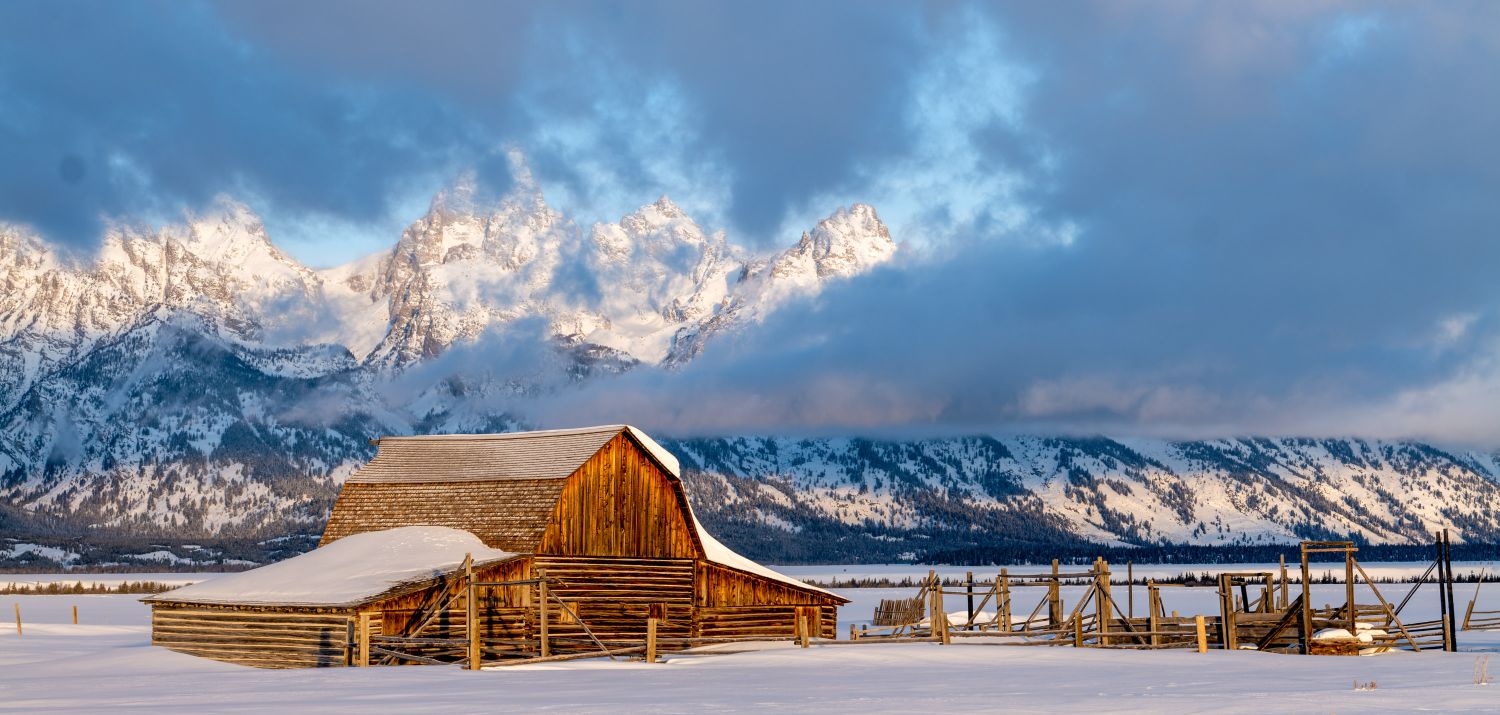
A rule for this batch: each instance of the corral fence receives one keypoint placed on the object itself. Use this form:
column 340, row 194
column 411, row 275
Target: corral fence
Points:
column 1256, row 610
column 459, row 607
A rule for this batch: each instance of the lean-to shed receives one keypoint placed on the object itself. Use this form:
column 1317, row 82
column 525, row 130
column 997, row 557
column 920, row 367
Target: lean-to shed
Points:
column 600, row 510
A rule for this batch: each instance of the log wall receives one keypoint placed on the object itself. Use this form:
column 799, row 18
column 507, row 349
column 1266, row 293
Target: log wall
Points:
column 734, row 603
column 614, row 596
column 265, row 638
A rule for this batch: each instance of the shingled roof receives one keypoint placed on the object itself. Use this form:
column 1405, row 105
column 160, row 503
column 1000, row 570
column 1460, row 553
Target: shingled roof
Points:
column 550, row 454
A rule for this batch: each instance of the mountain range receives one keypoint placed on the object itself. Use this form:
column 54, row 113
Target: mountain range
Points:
column 192, row 392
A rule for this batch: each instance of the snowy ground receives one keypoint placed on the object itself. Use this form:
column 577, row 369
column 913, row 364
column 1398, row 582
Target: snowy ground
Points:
column 107, row 663
column 1377, row 570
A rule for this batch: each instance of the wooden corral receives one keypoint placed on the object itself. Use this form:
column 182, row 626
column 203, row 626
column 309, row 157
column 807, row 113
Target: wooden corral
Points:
column 602, row 546
column 1256, row 610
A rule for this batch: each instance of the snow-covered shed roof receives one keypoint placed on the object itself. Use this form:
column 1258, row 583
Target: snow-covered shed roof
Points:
column 347, row 572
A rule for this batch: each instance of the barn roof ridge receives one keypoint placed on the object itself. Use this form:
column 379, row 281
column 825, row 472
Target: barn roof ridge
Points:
column 487, row 436
column 534, row 455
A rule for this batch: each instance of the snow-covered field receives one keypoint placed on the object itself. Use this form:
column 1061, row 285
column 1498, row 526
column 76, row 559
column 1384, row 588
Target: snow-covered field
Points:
column 825, row 573
column 106, row 663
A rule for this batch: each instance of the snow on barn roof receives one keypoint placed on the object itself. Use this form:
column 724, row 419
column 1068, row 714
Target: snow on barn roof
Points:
column 347, row 572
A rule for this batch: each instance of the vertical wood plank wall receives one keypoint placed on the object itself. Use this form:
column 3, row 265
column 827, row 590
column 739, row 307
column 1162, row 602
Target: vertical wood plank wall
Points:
column 619, row 503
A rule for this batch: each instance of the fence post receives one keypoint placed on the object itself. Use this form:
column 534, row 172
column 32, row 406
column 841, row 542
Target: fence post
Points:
column 969, row 590
column 75, row 615
column 1452, row 607
column 18, row 618
column 349, row 640
column 932, row 602
column 853, row 632
column 1349, row 592
column 471, row 616
column 1153, row 622
column 364, row 639
column 1078, row 629
column 541, row 575
column 1054, row 600
column 1004, row 598
column 1305, row 635
column 1284, row 599
column 941, row 617
column 1202, row 632
column 1103, row 602
column 650, row 640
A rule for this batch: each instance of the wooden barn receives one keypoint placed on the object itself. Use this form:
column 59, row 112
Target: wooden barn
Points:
column 591, row 522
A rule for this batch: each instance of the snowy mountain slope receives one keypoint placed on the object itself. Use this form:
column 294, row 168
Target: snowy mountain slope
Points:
column 982, row 490
column 194, row 382
column 195, row 379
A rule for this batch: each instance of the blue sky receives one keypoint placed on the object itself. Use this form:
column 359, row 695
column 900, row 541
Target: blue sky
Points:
column 1126, row 215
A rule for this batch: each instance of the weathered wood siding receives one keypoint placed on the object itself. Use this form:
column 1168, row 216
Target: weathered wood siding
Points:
column 506, row 613
column 719, row 586
column 734, row 603
column 763, row 621
column 619, row 503
column 265, row 638
column 505, row 514
column 614, row 596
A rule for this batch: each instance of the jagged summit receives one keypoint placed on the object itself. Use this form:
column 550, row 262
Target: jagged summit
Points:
column 849, row 242
column 194, row 379
column 182, row 373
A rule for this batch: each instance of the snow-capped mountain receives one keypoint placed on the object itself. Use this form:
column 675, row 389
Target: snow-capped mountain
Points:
column 194, row 377
column 868, row 497
column 194, row 382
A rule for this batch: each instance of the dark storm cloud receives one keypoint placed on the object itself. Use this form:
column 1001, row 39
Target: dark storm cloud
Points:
column 131, row 109
column 1155, row 217
column 1286, row 225
column 785, row 97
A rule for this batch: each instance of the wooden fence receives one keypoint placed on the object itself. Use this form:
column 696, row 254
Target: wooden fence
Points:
column 1480, row 620
column 559, row 633
column 1256, row 610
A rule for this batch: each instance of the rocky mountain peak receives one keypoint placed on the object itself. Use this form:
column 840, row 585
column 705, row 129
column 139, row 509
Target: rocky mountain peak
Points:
column 848, row 242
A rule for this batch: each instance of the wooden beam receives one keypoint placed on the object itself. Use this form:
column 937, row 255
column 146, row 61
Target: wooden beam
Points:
column 1286, row 620
column 1469, row 612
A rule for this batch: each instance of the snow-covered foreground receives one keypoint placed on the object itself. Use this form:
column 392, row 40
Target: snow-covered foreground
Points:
column 106, row 663
column 825, row 573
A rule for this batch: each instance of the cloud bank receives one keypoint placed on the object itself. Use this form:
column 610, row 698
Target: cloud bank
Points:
column 1165, row 218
